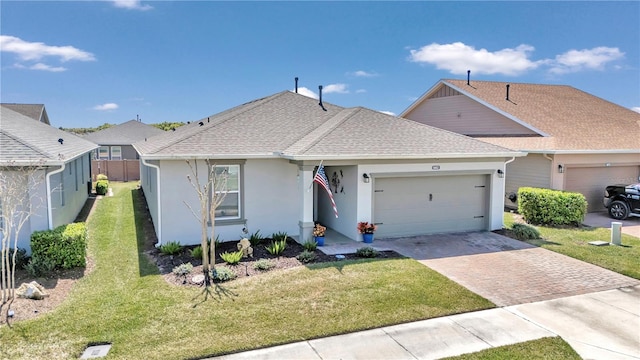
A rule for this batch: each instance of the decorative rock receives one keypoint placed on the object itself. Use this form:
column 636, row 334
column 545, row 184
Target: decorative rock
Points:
column 245, row 246
column 32, row 290
column 197, row 279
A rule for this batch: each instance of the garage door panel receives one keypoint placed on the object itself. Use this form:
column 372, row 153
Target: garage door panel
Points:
column 591, row 181
column 422, row 205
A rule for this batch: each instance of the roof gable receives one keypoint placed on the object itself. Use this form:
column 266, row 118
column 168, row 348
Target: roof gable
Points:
column 294, row 126
column 22, row 140
column 124, row 134
column 35, row 111
column 575, row 119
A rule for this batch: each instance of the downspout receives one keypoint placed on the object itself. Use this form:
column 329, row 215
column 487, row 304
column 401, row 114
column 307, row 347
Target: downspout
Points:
column 48, row 181
column 507, row 162
column 551, row 176
column 145, row 163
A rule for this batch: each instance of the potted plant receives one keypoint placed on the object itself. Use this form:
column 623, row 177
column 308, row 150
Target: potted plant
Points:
column 367, row 229
column 318, row 234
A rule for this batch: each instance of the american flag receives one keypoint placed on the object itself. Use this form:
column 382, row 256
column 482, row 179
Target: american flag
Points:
column 321, row 178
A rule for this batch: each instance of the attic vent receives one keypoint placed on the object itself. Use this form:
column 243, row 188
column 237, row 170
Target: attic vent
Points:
column 507, row 98
column 296, row 80
column 61, row 140
column 468, row 76
column 201, row 123
column 320, row 103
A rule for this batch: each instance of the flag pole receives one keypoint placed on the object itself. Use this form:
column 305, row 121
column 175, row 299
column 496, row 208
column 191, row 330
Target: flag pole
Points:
column 312, row 181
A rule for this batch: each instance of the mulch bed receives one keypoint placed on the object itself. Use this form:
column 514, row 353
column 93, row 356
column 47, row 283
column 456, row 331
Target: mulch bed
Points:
column 245, row 268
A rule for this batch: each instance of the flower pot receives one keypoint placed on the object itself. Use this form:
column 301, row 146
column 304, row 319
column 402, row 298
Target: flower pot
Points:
column 320, row 240
column 367, row 238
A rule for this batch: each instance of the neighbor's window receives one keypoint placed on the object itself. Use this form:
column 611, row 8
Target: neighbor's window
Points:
column 116, row 153
column 230, row 207
column 103, row 153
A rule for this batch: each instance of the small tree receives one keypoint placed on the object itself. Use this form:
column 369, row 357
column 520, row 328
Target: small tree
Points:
column 19, row 200
column 210, row 195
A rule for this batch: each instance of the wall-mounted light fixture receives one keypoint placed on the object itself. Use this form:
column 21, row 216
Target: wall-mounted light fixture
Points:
column 500, row 173
column 560, row 168
column 366, row 178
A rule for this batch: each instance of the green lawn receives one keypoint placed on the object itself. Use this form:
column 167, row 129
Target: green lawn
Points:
column 545, row 348
column 574, row 242
column 125, row 302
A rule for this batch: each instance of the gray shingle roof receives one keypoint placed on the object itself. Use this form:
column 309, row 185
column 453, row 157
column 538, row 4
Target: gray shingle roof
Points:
column 35, row 111
column 294, row 126
column 26, row 141
column 123, row 134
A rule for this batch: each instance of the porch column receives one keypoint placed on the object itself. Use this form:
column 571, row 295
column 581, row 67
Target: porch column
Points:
column 305, row 222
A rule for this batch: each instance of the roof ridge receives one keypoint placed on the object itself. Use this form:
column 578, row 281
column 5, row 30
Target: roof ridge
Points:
column 314, row 136
column 224, row 116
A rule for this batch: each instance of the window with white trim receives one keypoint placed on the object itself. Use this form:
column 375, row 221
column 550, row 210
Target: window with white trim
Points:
column 103, row 153
column 230, row 208
column 116, row 153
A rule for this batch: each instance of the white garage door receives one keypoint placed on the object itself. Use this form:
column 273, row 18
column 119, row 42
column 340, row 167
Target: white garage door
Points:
column 430, row 204
column 591, row 181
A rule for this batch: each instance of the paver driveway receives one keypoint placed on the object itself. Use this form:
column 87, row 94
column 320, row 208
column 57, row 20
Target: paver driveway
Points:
column 504, row 270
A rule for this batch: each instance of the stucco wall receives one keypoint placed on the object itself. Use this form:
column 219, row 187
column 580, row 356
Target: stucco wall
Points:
column 346, row 197
column 70, row 185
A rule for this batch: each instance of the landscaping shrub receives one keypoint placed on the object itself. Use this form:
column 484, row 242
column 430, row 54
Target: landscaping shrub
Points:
column 171, row 248
column 21, row 258
column 256, row 238
column 306, row 256
column 223, row 273
column 367, row 252
column 310, row 245
column 40, row 266
column 263, row 264
column 64, row 246
column 183, row 269
column 101, row 177
column 196, row 252
column 102, row 186
column 551, row 207
column 279, row 236
column 525, row 232
column 276, row 247
column 231, row 258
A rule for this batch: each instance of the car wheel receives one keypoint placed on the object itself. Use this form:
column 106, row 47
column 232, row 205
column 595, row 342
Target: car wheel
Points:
column 619, row 210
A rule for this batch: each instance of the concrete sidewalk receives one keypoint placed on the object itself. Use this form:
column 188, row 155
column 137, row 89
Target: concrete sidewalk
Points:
column 602, row 325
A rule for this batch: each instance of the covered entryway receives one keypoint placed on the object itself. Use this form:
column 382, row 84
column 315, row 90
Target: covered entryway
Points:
column 591, row 181
column 406, row 206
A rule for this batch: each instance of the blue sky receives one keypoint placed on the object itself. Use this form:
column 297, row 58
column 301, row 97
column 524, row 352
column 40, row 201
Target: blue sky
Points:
column 92, row 62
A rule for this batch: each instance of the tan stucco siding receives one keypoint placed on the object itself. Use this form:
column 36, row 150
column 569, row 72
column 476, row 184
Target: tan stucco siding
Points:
column 465, row 116
column 532, row 171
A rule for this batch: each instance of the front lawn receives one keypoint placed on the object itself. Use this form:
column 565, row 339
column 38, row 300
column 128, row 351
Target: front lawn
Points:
column 124, row 301
column 574, row 242
column 545, row 348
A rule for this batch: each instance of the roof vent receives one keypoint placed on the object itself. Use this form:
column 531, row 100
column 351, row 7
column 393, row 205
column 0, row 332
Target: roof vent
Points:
column 207, row 119
column 61, row 140
column 201, row 123
column 468, row 76
column 507, row 98
column 173, row 129
column 296, row 79
column 320, row 103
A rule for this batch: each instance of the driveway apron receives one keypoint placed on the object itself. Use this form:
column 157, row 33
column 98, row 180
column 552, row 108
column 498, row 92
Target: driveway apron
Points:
column 506, row 271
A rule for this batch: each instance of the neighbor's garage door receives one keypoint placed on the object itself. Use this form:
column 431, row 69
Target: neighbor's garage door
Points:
column 430, row 204
column 591, row 181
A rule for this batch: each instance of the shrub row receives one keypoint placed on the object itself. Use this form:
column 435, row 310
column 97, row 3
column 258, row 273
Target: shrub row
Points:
column 64, row 247
column 551, row 207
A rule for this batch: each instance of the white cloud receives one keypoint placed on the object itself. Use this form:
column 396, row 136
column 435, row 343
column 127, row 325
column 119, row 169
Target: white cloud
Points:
column 362, row 73
column 388, row 113
column 33, row 51
column 335, row 88
column 361, row 91
column 636, row 109
column 131, row 4
column 306, row 92
column 457, row 58
column 585, row 59
column 106, row 107
column 45, row 67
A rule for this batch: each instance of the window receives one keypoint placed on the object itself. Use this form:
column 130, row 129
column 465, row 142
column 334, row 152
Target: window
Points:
column 116, row 153
column 230, row 207
column 103, row 153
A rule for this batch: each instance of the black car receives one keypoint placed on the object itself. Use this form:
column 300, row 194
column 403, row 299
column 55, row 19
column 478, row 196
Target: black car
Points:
column 622, row 200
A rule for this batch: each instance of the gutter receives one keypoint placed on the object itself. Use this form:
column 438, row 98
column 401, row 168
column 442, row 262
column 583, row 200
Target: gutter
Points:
column 48, row 181
column 145, row 163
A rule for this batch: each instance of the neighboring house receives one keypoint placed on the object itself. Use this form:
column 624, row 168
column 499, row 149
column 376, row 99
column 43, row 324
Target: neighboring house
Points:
column 65, row 160
column 34, row 111
column 575, row 141
column 406, row 177
column 116, row 156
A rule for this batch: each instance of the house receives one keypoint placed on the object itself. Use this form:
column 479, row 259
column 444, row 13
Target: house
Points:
column 575, row 141
column 64, row 161
column 35, row 111
column 406, row 177
column 116, row 156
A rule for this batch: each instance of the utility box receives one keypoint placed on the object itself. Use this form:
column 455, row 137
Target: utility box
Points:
column 616, row 233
